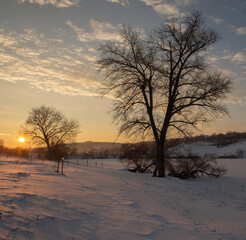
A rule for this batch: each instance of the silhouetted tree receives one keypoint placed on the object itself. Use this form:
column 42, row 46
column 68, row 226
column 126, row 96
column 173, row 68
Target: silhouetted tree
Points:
column 161, row 82
column 46, row 125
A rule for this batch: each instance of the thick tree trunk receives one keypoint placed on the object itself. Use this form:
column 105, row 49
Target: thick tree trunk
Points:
column 50, row 155
column 160, row 161
column 50, row 152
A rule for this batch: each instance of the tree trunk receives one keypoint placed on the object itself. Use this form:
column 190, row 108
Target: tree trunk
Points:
column 160, row 161
column 50, row 152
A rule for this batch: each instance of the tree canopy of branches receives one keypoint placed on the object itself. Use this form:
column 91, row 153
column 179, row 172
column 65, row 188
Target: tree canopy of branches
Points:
column 161, row 82
column 47, row 126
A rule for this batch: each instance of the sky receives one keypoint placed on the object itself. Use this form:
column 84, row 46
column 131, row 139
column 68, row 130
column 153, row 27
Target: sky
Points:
column 48, row 50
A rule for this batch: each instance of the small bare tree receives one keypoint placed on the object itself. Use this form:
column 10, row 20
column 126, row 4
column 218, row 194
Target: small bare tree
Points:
column 161, row 82
column 47, row 126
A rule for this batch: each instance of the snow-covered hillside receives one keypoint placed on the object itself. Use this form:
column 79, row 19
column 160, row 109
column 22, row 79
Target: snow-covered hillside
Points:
column 201, row 148
column 237, row 149
column 92, row 203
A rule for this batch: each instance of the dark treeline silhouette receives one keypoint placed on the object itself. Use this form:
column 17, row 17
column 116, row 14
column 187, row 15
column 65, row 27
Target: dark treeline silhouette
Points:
column 15, row 152
column 219, row 140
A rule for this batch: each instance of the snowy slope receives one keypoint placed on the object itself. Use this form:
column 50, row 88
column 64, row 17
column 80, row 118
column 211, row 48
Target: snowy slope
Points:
column 107, row 204
column 202, row 148
column 197, row 147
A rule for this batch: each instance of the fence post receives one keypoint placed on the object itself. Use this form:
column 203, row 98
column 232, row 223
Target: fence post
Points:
column 96, row 164
column 62, row 165
column 58, row 165
column 102, row 164
column 87, row 162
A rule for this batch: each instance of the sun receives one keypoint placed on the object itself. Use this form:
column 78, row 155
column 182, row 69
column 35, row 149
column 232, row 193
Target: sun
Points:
column 21, row 139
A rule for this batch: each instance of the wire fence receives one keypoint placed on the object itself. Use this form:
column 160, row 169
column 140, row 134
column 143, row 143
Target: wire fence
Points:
column 60, row 166
column 85, row 162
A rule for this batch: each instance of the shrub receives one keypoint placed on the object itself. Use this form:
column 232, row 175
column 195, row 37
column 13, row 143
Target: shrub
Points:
column 194, row 166
column 138, row 157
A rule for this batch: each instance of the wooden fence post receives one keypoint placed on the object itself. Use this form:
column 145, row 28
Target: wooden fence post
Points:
column 62, row 165
column 58, row 165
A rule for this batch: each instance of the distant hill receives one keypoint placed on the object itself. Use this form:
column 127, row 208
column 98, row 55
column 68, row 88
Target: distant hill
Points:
column 97, row 147
column 231, row 144
column 201, row 148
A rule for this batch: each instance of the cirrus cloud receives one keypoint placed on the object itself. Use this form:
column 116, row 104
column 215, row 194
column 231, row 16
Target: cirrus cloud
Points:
column 168, row 7
column 240, row 31
column 216, row 19
column 239, row 57
column 46, row 65
column 98, row 31
column 5, row 134
column 122, row 2
column 56, row 3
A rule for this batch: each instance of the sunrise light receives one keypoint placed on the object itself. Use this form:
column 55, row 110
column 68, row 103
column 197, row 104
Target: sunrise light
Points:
column 21, row 139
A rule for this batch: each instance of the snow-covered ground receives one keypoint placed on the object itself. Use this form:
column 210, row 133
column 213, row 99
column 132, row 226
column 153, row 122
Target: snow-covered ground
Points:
column 202, row 148
column 95, row 203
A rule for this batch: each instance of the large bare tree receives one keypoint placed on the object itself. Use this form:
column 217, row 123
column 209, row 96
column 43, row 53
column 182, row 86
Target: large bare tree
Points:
column 47, row 126
column 161, row 82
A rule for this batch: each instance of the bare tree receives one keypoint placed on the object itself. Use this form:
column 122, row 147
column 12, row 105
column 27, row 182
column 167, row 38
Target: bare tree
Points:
column 161, row 82
column 47, row 126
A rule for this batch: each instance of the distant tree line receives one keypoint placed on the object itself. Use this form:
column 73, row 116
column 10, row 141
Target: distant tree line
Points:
column 219, row 140
column 99, row 154
column 15, row 152
column 66, row 150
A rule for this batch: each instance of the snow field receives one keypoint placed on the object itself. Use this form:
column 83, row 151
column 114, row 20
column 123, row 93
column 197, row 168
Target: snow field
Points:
column 95, row 203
